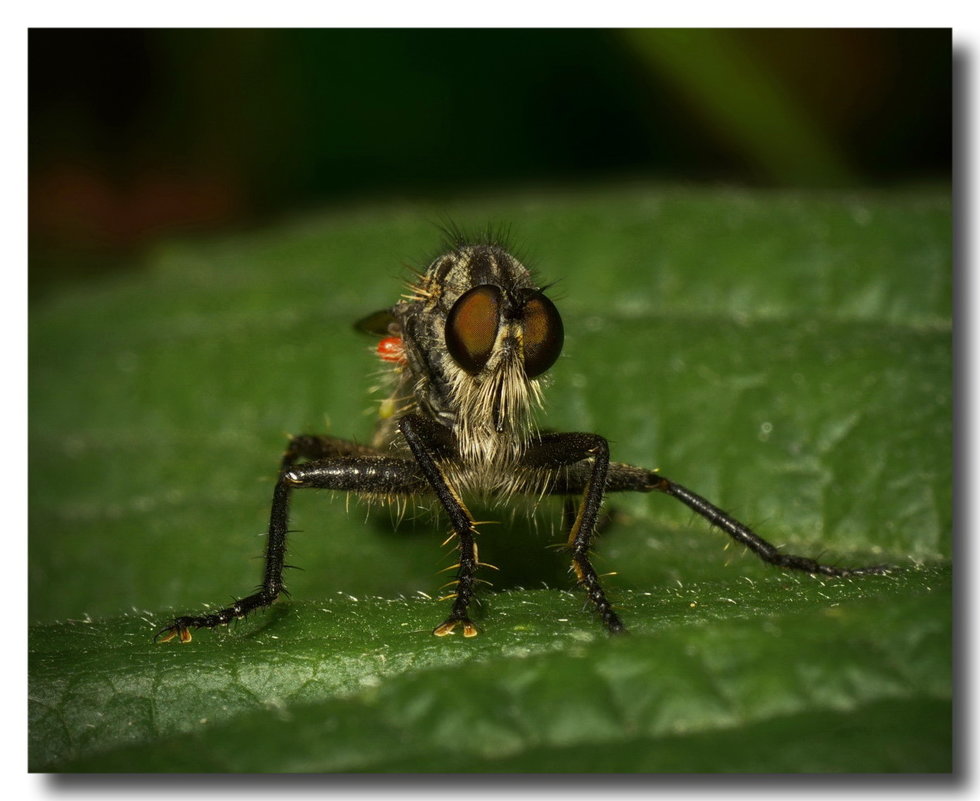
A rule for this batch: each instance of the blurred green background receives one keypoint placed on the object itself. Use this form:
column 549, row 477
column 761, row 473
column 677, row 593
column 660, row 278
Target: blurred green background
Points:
column 136, row 134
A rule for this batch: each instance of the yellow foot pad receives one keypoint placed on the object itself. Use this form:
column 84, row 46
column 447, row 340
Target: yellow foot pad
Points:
column 168, row 634
column 469, row 630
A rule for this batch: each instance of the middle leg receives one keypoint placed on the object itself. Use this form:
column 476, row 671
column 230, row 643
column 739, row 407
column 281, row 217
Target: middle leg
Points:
column 378, row 475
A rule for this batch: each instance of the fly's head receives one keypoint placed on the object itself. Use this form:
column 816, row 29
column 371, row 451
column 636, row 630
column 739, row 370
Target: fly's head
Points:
column 478, row 333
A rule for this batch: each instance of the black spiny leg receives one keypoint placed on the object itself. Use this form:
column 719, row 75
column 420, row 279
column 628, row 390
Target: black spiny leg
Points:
column 627, row 478
column 339, row 465
column 556, row 451
column 743, row 534
column 319, row 446
column 429, row 441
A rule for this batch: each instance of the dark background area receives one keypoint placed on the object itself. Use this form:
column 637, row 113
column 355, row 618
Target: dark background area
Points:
column 138, row 134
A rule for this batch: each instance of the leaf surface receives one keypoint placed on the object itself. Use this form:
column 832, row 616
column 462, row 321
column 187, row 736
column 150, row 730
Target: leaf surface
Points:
column 787, row 356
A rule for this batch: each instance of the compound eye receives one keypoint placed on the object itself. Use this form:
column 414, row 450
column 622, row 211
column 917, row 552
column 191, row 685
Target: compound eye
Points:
column 544, row 335
column 471, row 329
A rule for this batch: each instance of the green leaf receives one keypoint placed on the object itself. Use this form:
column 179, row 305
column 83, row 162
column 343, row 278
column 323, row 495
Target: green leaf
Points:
column 787, row 356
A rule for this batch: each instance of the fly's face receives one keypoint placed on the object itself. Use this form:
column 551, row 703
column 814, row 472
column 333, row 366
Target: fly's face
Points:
column 478, row 335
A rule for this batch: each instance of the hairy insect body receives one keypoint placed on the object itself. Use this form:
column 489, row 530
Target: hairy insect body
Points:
column 466, row 351
column 493, row 404
column 490, row 412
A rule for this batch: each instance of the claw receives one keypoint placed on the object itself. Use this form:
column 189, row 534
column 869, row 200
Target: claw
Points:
column 469, row 630
column 445, row 628
column 167, row 633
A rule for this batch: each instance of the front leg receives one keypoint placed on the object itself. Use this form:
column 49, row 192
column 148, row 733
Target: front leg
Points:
column 430, row 444
column 366, row 473
column 587, row 455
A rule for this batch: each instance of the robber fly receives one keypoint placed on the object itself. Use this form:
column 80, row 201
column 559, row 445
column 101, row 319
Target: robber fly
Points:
column 468, row 347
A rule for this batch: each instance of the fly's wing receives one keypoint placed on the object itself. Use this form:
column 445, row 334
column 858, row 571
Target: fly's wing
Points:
column 378, row 323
